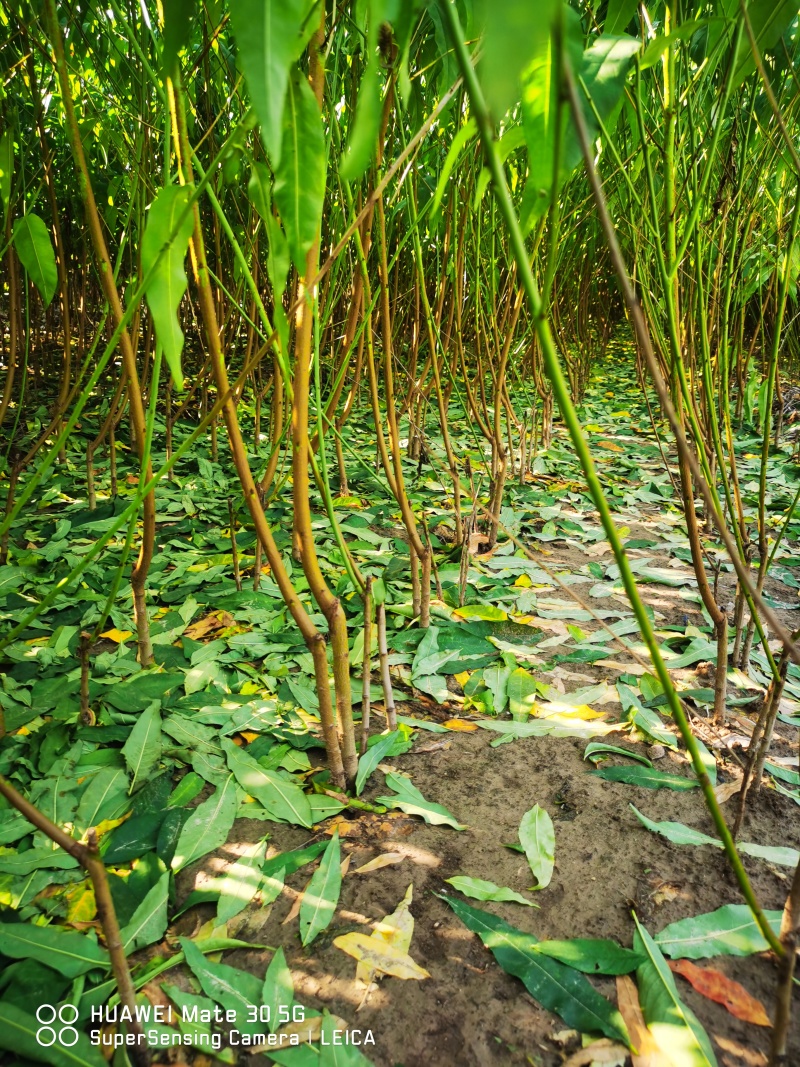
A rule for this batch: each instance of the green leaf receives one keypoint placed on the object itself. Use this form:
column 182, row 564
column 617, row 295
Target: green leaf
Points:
column 6, row 168
column 231, row 988
column 515, row 33
column 643, row 718
column 596, row 750
column 658, row 46
column 140, row 690
column 149, row 921
column 293, row 861
column 676, row 831
column 105, row 797
column 619, row 14
column 208, row 826
column 604, row 69
column 362, row 140
column 781, row 855
column 646, row 778
column 278, row 990
column 299, row 189
column 686, row 835
column 334, row 1054
column 483, row 613
column 18, row 1031
column 478, row 889
column 412, row 802
column 270, row 36
column 729, row 931
column 463, row 137
column 372, row 757
column 132, row 839
column 496, row 681
column 241, row 880
column 538, row 839
column 142, row 750
column 592, row 956
column 168, row 284
column 768, row 19
column 66, row 951
column 284, row 800
column 542, row 111
column 178, row 18
column 674, row 1026
column 322, row 894
column 522, row 692
column 35, row 251
column 558, row 988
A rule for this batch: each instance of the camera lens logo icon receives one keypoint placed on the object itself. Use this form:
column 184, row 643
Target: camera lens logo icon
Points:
column 66, row 1034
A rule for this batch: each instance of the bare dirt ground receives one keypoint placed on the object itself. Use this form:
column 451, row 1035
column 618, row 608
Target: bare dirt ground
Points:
column 469, row 1013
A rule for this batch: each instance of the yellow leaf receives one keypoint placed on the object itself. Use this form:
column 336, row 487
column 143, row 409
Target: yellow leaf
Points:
column 626, row 413
column 523, row 582
column 462, row 678
column 396, row 930
column 459, row 725
column 109, row 824
column 582, row 711
column 381, row 957
column 117, row 635
column 387, row 859
column 82, row 905
column 611, row 446
column 249, row 735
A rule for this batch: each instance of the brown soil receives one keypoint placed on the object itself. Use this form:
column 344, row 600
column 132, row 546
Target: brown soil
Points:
column 470, row 1013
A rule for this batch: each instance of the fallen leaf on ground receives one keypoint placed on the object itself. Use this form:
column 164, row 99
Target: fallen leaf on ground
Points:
column 602, row 1051
column 395, row 929
column 665, row 893
column 647, row 1052
column 459, row 725
column 294, row 911
column 379, row 956
column 743, row 1057
column 724, row 792
column 716, row 986
column 307, row 1031
column 117, row 635
column 386, row 859
column 209, row 624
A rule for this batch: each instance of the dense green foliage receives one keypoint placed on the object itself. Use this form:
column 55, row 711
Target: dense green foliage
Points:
column 320, row 322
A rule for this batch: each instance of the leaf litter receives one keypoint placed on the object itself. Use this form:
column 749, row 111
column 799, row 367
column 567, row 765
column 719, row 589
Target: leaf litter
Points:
column 233, row 700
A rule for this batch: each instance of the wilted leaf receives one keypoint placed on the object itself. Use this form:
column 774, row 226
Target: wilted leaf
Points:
column 723, row 990
column 387, row 859
column 647, row 1053
column 117, row 635
column 674, row 1026
column 380, row 956
column 395, row 929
